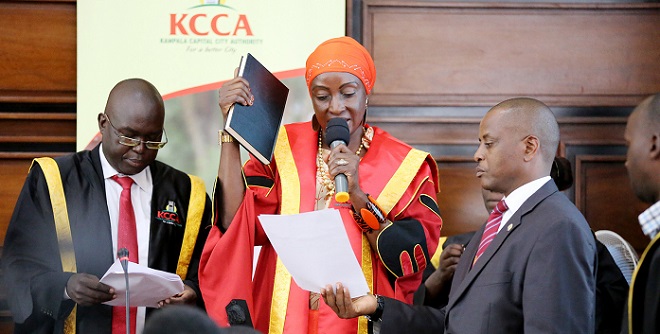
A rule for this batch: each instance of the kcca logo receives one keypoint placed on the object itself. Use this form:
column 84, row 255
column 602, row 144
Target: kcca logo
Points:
column 169, row 215
column 203, row 24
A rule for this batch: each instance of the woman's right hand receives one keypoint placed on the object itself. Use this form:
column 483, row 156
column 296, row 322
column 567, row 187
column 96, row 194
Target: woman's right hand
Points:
column 236, row 90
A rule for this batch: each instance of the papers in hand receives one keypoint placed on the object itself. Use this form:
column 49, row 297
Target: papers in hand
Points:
column 147, row 286
column 314, row 248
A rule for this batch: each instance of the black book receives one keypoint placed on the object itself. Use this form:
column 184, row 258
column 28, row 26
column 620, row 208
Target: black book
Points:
column 256, row 126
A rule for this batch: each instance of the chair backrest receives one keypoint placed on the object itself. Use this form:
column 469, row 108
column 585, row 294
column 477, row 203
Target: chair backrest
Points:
column 622, row 252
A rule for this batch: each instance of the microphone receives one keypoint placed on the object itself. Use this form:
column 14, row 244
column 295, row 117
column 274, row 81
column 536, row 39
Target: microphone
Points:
column 336, row 133
column 122, row 254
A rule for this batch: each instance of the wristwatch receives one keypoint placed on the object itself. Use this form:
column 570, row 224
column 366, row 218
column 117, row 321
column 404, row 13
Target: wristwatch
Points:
column 378, row 313
column 224, row 137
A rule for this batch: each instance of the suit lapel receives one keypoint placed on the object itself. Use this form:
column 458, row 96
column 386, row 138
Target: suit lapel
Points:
column 463, row 269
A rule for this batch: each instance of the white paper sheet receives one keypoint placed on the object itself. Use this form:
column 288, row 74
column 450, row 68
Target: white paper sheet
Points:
column 314, row 248
column 147, row 286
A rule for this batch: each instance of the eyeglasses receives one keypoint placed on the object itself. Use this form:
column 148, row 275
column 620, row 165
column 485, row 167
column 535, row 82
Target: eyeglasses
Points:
column 132, row 142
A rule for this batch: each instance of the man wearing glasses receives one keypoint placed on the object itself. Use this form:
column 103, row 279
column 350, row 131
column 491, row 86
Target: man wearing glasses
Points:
column 63, row 238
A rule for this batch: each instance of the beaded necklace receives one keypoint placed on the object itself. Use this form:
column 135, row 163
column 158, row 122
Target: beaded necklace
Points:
column 325, row 184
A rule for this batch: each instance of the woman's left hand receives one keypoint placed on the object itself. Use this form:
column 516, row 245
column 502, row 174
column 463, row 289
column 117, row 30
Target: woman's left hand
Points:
column 187, row 296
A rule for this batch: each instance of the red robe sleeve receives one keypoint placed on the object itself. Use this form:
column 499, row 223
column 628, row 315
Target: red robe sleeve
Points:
column 225, row 271
column 406, row 246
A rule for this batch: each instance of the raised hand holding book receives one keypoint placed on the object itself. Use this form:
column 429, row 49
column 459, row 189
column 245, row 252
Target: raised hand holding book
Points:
column 256, row 126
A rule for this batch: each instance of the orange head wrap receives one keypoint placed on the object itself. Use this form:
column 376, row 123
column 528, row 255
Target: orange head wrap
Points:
column 342, row 54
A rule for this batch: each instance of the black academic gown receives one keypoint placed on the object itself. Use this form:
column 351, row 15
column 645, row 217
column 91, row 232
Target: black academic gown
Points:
column 31, row 258
column 644, row 305
column 611, row 293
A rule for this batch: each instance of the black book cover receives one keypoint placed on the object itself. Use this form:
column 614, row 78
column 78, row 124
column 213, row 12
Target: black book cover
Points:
column 256, row 126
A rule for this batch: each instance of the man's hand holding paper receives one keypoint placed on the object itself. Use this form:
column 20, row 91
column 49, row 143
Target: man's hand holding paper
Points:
column 147, row 287
column 86, row 290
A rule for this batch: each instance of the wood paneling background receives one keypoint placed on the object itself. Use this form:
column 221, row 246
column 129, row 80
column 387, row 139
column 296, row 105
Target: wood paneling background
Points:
column 37, row 97
column 481, row 53
column 38, row 54
column 440, row 66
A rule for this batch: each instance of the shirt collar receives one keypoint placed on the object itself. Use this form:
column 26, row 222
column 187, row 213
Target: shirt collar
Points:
column 649, row 220
column 142, row 179
column 517, row 197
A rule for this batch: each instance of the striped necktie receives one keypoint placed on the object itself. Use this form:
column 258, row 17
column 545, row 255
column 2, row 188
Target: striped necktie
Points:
column 491, row 228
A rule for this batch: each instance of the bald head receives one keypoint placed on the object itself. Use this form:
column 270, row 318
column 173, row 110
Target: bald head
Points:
column 649, row 113
column 134, row 91
column 526, row 116
column 134, row 110
column 518, row 140
column 643, row 157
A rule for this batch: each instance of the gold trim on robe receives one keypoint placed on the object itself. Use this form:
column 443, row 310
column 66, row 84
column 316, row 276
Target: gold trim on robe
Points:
column 651, row 245
column 290, row 205
column 62, row 226
column 193, row 222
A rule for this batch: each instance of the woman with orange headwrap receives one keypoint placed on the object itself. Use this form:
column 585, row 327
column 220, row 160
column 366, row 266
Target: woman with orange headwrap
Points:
column 391, row 217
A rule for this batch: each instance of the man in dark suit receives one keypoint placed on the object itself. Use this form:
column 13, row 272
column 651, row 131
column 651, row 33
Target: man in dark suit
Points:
column 611, row 285
column 536, row 273
column 62, row 239
column 643, row 165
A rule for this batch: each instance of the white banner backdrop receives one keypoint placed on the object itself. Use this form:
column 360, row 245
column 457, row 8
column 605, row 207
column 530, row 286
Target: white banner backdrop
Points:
column 187, row 49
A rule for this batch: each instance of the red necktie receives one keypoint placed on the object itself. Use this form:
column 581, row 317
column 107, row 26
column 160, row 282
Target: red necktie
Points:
column 491, row 228
column 126, row 237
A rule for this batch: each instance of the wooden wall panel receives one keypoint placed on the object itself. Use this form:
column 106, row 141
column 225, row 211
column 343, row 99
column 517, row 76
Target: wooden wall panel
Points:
column 460, row 200
column 431, row 130
column 604, row 196
column 21, row 127
column 38, row 54
column 602, row 130
column 469, row 53
column 37, row 97
column 12, row 175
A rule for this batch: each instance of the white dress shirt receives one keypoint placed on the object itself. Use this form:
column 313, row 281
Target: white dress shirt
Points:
column 141, row 191
column 517, row 197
